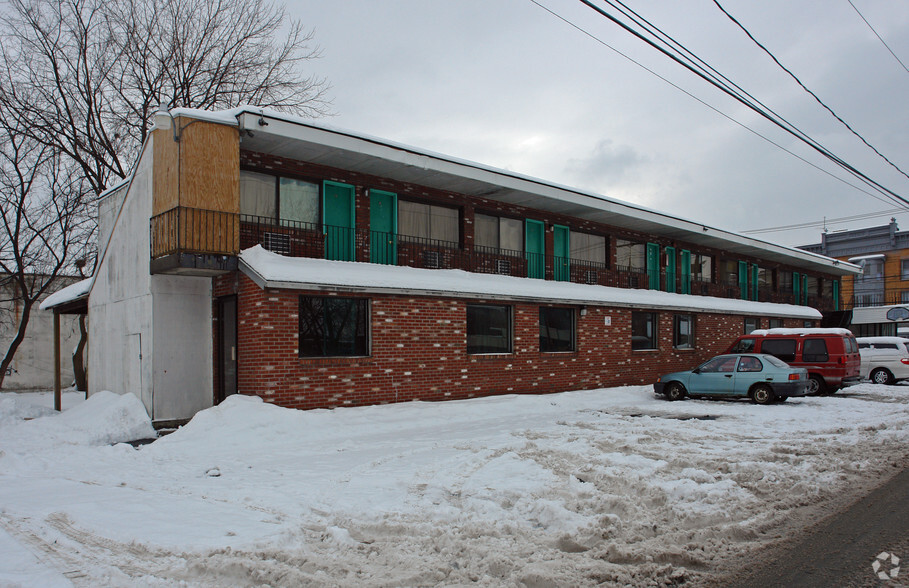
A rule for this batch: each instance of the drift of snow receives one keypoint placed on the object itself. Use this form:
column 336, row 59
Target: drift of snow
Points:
column 611, row 486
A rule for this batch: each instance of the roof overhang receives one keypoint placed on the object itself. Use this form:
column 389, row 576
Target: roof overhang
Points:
column 296, row 138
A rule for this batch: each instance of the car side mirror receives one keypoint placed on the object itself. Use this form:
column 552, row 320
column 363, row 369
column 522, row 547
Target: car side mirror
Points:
column 696, row 371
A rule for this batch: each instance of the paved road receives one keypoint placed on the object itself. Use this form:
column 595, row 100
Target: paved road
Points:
column 839, row 550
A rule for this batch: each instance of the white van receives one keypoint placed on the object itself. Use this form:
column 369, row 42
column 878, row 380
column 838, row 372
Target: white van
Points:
column 884, row 359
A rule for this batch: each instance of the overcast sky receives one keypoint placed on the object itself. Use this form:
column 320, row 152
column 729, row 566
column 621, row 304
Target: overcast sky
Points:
column 504, row 83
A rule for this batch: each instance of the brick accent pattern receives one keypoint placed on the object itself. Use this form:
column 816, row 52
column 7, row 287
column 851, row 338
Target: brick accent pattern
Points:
column 418, row 351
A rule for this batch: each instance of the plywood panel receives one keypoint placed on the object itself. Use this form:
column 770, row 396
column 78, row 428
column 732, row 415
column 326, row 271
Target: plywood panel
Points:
column 210, row 166
column 164, row 178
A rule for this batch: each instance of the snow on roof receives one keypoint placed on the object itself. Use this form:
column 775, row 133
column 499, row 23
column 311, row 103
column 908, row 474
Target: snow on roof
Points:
column 864, row 257
column 802, row 332
column 71, row 293
column 269, row 269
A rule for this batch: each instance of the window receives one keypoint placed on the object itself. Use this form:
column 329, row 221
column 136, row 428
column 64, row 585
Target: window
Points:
column 683, row 331
column 812, row 287
column 556, row 329
column 785, row 280
column 815, row 350
column 904, row 269
column 428, row 221
column 729, row 272
column 587, row 247
column 273, row 198
column 488, row 328
column 752, row 324
column 763, row 278
column 721, row 364
column 750, row 364
column 498, row 232
column 643, row 330
column 298, row 201
column 780, row 348
column 257, row 195
column 630, row 256
column 743, row 346
column 332, row 327
column 775, row 323
column 808, row 324
column 873, row 269
column 701, row 268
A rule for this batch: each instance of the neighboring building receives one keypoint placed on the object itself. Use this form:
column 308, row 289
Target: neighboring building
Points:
column 33, row 364
column 882, row 288
column 402, row 275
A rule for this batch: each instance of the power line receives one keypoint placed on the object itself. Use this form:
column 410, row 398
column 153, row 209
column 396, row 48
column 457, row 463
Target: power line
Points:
column 878, row 36
column 773, row 118
column 804, row 87
column 711, row 107
column 821, row 223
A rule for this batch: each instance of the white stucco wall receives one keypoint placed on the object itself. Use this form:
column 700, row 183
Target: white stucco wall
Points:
column 33, row 364
column 150, row 335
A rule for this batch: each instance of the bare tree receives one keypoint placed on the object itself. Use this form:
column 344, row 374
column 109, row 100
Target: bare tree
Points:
column 42, row 221
column 79, row 80
column 83, row 76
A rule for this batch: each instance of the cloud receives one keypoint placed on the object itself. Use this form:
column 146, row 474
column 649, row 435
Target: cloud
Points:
column 607, row 163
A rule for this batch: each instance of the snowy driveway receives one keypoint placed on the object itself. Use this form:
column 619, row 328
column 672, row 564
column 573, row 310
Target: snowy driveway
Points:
column 578, row 488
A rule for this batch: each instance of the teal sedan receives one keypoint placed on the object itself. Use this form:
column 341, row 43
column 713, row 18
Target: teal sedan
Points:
column 762, row 378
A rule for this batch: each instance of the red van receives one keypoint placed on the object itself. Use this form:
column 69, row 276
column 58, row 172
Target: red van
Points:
column 831, row 356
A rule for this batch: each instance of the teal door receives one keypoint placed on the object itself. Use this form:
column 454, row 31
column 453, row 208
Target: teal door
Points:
column 653, row 266
column 535, row 248
column 338, row 221
column 670, row 269
column 561, row 251
column 796, row 288
column 743, row 280
column 836, row 295
column 383, row 227
column 686, row 271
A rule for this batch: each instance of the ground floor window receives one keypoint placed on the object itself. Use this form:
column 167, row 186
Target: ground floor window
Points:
column 556, row 329
column 643, row 330
column 751, row 324
column 332, row 327
column 775, row 323
column 488, row 328
column 683, row 331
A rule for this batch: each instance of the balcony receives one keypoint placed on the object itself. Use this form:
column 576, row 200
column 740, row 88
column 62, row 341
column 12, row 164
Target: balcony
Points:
column 204, row 242
column 191, row 241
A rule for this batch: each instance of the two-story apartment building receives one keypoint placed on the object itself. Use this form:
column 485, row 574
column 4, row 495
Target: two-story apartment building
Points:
column 259, row 253
column 878, row 297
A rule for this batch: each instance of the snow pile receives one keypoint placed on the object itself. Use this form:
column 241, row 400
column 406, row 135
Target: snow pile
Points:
column 612, row 486
column 104, row 419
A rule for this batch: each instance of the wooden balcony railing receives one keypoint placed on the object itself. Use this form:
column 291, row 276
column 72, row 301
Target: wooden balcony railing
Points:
column 193, row 230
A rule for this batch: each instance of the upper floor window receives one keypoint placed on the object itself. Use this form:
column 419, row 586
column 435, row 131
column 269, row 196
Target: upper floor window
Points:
column 904, row 269
column 872, row 269
column 729, row 271
column 701, row 268
column 429, row 221
column 630, row 256
column 588, row 247
column 812, row 287
column 785, row 280
column 498, row 232
column 273, row 197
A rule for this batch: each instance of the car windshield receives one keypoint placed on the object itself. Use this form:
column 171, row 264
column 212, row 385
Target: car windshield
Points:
column 776, row 362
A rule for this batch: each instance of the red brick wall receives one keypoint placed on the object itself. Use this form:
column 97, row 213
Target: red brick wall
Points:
column 418, row 352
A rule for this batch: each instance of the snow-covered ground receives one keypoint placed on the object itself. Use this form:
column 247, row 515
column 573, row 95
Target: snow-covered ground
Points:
column 605, row 486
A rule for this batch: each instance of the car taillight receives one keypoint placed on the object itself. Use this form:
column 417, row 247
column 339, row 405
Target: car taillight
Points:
column 795, row 376
column 841, row 360
column 905, row 361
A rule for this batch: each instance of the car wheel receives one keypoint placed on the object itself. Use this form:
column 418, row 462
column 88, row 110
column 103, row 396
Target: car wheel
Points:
column 881, row 376
column 816, row 385
column 762, row 394
column 675, row 391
